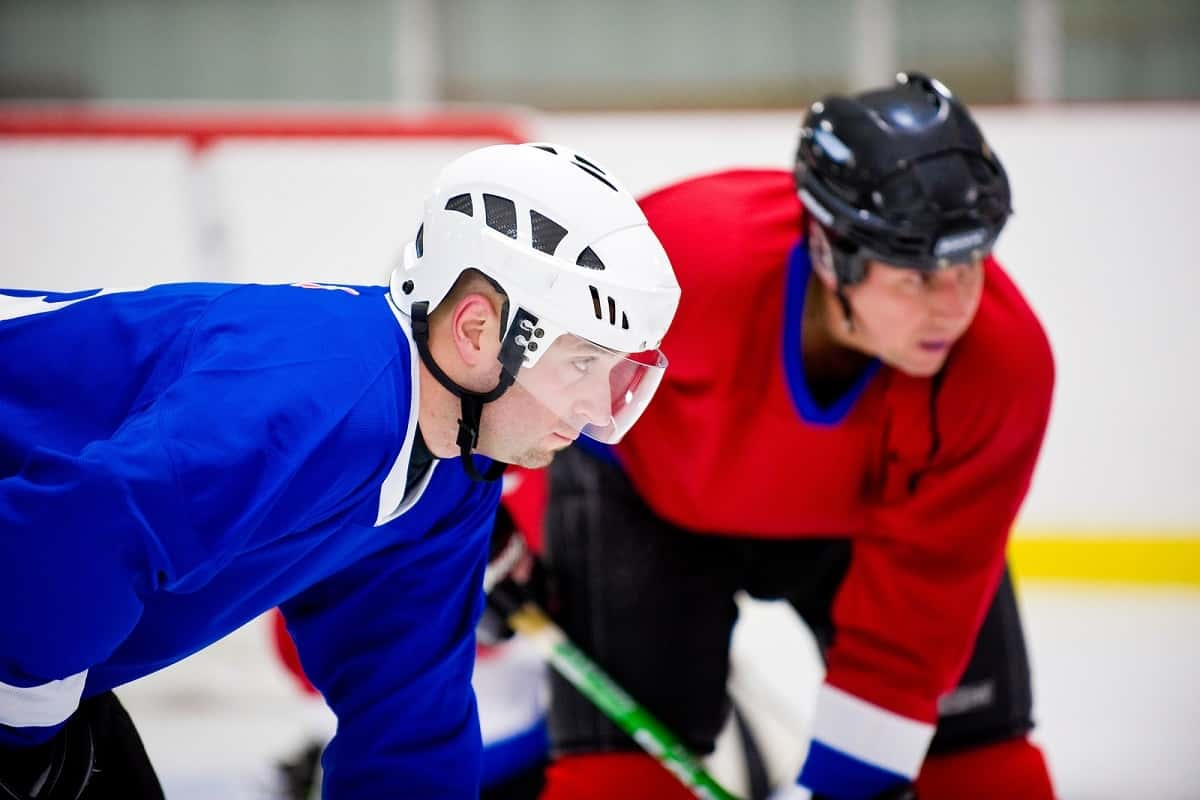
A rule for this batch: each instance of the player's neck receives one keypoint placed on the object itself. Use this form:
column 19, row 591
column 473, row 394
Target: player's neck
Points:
column 831, row 360
column 438, row 412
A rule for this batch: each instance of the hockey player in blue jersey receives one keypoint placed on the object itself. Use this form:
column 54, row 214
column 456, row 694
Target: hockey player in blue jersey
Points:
column 175, row 461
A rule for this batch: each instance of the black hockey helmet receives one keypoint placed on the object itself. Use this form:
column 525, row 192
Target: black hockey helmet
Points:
column 902, row 175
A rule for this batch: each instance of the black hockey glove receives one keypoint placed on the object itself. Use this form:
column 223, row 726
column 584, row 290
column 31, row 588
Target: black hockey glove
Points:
column 514, row 574
column 57, row 770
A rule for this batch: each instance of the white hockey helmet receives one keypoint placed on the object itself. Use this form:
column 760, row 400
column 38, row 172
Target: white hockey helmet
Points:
column 581, row 270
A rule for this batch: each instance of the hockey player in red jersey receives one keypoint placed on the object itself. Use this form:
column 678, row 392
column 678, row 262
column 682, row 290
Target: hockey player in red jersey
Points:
column 857, row 401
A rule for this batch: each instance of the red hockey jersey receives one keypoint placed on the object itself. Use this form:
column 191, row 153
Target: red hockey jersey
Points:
column 925, row 475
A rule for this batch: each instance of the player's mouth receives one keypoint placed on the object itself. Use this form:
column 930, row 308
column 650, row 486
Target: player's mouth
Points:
column 935, row 345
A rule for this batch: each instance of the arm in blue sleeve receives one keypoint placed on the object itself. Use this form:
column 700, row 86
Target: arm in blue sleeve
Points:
column 230, row 454
column 79, row 552
column 390, row 642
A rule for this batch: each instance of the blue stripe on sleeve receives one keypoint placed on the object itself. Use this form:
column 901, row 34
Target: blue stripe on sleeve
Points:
column 837, row 775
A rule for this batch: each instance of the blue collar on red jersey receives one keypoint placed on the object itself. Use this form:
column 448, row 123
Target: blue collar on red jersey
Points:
column 799, row 267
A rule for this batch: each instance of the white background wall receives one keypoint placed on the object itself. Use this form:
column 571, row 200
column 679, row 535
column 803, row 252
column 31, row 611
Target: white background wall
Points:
column 1102, row 243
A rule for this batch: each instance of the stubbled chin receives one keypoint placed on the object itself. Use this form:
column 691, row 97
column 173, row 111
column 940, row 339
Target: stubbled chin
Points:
column 926, row 368
column 921, row 364
column 535, row 459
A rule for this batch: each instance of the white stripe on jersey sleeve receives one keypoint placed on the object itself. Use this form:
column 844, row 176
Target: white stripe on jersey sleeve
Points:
column 870, row 733
column 41, row 706
column 393, row 499
column 12, row 306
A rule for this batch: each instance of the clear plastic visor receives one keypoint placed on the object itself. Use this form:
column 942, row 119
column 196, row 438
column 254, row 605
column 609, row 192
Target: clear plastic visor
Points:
column 593, row 390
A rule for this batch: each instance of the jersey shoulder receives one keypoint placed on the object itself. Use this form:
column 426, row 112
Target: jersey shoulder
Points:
column 1007, row 329
column 1005, row 357
column 728, row 236
column 729, row 183
column 306, row 350
column 725, row 214
column 312, row 321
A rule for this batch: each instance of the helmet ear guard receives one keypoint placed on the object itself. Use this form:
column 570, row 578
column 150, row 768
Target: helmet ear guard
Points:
column 846, row 260
column 834, row 258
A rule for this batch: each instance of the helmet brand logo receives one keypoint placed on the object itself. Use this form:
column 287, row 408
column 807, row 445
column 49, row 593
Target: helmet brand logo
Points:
column 959, row 242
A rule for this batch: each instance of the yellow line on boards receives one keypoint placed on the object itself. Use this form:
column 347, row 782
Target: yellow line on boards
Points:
column 1112, row 557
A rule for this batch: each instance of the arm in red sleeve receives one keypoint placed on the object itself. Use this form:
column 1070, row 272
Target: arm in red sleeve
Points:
column 917, row 589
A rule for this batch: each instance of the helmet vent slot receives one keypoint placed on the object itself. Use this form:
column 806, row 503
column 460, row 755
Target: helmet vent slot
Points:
column 546, row 232
column 501, row 214
column 584, row 161
column 421, row 240
column 589, row 259
column 461, row 203
column 592, row 171
column 596, row 302
column 598, row 307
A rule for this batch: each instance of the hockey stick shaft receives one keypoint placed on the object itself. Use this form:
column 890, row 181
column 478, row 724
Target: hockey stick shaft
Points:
column 586, row 676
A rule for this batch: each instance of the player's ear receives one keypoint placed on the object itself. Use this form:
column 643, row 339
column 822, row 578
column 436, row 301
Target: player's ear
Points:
column 820, row 254
column 475, row 329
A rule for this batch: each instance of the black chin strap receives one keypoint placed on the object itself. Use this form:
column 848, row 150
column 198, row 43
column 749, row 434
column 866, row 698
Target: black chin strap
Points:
column 845, row 303
column 840, row 258
column 472, row 402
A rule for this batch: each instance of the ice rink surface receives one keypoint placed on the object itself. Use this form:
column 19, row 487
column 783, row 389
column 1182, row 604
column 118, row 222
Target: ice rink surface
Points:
column 1116, row 682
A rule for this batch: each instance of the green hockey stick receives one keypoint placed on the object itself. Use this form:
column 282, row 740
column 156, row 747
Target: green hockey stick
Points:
column 574, row 665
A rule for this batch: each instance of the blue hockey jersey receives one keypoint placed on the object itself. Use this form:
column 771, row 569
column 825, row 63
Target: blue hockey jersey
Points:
column 175, row 461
